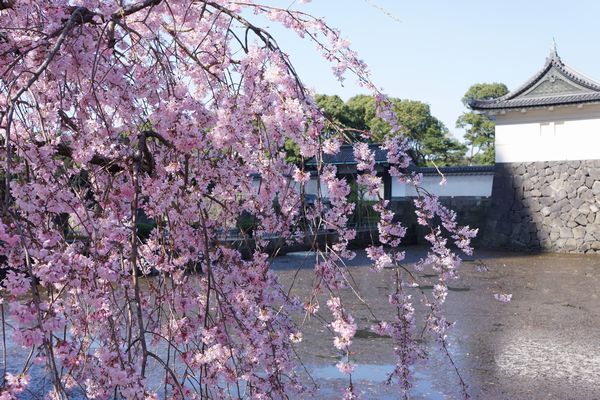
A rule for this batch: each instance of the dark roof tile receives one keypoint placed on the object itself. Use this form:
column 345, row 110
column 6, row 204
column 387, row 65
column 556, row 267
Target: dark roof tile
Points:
column 573, row 88
column 346, row 156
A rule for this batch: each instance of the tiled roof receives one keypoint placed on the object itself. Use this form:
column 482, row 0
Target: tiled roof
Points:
column 346, row 156
column 555, row 84
column 459, row 170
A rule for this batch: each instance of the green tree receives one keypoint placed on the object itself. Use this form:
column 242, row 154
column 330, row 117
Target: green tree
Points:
column 479, row 128
column 431, row 141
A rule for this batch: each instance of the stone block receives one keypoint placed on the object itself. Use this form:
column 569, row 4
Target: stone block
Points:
column 594, row 173
column 589, row 182
column 574, row 163
column 547, row 191
column 581, row 219
column 520, row 170
column 590, row 218
column 515, row 217
column 570, row 245
column 576, row 202
column 585, row 208
column 587, row 195
column 562, row 167
column 524, row 237
column 579, row 232
column 565, row 233
column 584, row 247
column 534, row 207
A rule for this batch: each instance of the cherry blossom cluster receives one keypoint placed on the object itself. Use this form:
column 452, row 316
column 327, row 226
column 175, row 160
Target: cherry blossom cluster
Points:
column 143, row 182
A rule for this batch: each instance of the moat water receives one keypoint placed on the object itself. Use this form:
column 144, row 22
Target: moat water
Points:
column 544, row 344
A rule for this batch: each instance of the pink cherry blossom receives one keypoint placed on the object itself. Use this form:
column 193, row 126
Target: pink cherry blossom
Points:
column 143, row 141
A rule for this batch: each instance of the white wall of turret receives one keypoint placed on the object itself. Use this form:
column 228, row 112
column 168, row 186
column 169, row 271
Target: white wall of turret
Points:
column 548, row 134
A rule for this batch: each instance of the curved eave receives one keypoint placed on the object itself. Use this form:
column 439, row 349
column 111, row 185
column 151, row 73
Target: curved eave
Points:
column 512, row 100
column 536, row 102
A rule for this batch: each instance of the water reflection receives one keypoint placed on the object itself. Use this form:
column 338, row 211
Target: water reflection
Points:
column 369, row 376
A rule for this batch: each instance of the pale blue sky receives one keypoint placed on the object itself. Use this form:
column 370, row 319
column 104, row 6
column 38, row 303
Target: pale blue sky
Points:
column 439, row 48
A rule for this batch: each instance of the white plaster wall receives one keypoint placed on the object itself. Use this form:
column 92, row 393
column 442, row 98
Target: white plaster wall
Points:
column 548, row 134
column 457, row 185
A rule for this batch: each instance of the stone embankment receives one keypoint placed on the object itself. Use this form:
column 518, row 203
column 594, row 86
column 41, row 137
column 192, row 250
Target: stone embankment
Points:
column 550, row 205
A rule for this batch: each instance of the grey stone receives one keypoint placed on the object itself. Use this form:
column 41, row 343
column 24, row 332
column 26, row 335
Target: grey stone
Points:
column 587, row 195
column 589, row 181
column 585, row 208
column 565, row 233
column 594, row 228
column 594, row 173
column 579, row 232
column 534, row 207
column 596, row 188
column 570, row 245
column 562, row 167
column 584, row 247
column 576, row 202
column 555, row 208
column 574, row 163
column 581, row 219
column 524, row 237
column 547, row 191
column 520, row 170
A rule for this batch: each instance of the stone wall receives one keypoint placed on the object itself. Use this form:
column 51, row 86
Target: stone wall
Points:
column 550, row 205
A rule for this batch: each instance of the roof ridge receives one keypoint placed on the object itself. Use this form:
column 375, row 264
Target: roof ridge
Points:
column 574, row 73
column 514, row 98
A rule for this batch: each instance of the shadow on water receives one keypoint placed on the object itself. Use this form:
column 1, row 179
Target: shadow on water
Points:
column 414, row 253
